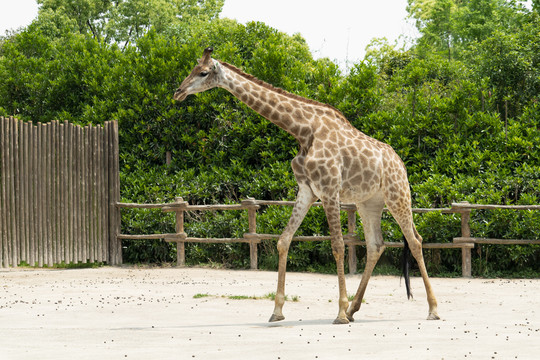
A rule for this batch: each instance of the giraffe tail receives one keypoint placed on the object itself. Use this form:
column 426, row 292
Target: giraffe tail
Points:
column 406, row 266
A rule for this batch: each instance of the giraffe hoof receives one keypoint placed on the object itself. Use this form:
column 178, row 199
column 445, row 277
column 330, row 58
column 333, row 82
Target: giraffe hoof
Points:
column 350, row 317
column 275, row 318
column 341, row 321
column 433, row 316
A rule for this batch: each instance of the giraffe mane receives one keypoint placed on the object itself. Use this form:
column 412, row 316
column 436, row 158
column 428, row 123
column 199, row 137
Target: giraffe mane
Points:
column 279, row 90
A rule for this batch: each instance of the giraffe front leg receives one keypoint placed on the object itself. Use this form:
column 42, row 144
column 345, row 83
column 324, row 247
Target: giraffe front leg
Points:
column 338, row 250
column 304, row 200
column 283, row 249
column 331, row 208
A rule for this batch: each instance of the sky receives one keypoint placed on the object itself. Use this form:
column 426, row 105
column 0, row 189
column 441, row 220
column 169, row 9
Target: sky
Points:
column 337, row 29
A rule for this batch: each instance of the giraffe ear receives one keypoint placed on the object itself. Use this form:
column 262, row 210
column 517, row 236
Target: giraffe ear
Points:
column 206, row 58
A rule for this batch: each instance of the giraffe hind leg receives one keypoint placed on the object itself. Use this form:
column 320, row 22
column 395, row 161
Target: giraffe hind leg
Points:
column 370, row 213
column 414, row 241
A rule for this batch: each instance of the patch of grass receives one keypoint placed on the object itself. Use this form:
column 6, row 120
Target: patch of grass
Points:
column 63, row 265
column 241, row 297
column 272, row 296
column 199, row 296
column 269, row 296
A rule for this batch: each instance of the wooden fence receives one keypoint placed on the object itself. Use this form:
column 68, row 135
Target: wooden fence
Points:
column 59, row 183
column 253, row 238
column 465, row 242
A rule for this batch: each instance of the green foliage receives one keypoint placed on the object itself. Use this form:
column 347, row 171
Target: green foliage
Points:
column 460, row 107
column 123, row 21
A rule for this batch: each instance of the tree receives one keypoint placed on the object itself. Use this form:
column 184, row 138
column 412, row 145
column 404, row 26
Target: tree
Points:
column 435, row 19
column 452, row 26
column 124, row 21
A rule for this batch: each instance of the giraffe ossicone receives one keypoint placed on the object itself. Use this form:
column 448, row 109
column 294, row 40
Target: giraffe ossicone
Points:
column 335, row 163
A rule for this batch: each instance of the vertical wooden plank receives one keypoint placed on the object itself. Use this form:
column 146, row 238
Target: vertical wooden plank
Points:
column 38, row 194
column 466, row 266
column 33, row 193
column 32, row 210
column 114, row 197
column 100, row 192
column 58, row 196
column 51, row 241
column 117, row 190
column 12, row 186
column 80, row 194
column 65, row 190
column 61, row 218
column 71, row 171
column 92, row 213
column 85, row 195
column 55, row 201
column 1, row 193
column 112, row 224
column 179, row 227
column 4, row 138
column 19, row 204
column 252, row 225
column 43, row 195
column 50, row 187
column 78, row 197
column 26, row 190
column 86, row 187
column 73, row 192
column 95, row 193
column 106, row 194
column 48, row 194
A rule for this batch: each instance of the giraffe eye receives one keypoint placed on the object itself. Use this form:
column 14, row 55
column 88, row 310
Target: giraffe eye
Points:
column 204, row 73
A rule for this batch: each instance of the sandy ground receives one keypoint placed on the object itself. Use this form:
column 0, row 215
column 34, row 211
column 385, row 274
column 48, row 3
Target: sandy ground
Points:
column 133, row 313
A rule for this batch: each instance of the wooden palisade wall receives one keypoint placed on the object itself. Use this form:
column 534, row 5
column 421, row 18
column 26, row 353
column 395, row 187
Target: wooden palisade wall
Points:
column 57, row 184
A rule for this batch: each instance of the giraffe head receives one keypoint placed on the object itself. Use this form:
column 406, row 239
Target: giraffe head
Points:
column 204, row 76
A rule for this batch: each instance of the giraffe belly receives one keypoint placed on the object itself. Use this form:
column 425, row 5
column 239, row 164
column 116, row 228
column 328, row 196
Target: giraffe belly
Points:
column 356, row 194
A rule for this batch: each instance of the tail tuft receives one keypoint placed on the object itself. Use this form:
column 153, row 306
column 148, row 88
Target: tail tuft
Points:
column 405, row 266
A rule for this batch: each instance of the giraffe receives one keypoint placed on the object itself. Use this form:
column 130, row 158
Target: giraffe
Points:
column 335, row 163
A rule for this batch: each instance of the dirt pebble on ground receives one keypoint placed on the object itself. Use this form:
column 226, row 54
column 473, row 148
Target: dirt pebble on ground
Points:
column 200, row 313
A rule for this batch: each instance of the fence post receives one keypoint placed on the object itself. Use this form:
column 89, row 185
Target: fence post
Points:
column 180, row 244
column 252, row 208
column 351, row 223
column 115, row 244
column 466, row 270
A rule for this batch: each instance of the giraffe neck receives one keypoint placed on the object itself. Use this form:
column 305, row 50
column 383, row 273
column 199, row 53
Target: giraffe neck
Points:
column 292, row 113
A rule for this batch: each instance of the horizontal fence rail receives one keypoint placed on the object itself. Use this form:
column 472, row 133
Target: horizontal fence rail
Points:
column 465, row 242
column 58, row 186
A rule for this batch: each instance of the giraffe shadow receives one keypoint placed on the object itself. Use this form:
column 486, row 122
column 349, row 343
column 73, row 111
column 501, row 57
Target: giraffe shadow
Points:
column 319, row 322
column 285, row 324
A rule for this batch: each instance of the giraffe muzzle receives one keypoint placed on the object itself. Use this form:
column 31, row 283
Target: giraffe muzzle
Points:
column 180, row 95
